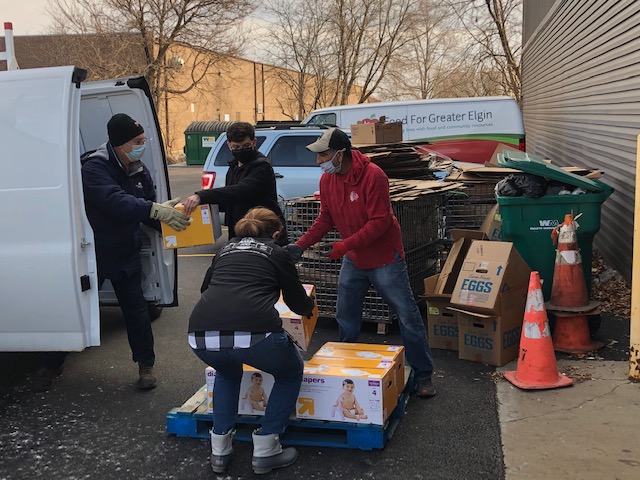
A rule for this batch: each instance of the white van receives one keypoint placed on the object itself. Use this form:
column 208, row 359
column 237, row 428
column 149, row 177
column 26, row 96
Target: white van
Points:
column 464, row 129
column 49, row 297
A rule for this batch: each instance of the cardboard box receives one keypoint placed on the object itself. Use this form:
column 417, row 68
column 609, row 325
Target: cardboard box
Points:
column 394, row 353
column 359, row 363
column 204, row 228
column 384, row 353
column 461, row 243
column 442, row 323
column 493, row 339
column 299, row 328
column 210, row 379
column 255, row 390
column 376, row 133
column 331, row 392
column 492, row 224
column 489, row 268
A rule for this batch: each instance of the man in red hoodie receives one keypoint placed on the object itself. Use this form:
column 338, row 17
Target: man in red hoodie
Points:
column 354, row 197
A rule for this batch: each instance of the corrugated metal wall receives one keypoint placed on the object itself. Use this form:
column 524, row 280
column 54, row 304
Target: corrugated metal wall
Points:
column 533, row 12
column 581, row 103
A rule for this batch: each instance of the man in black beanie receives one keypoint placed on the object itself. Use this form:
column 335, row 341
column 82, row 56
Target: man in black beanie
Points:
column 119, row 195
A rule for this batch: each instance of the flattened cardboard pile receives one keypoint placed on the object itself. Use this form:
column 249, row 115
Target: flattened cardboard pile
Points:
column 400, row 160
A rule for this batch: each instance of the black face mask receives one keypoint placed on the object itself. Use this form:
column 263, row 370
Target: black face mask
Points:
column 244, row 155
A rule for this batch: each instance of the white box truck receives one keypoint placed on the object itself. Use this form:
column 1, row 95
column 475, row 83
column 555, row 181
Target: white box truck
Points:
column 49, row 298
column 464, row 129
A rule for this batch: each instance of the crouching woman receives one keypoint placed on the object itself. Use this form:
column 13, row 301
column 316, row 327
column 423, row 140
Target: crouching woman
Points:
column 235, row 322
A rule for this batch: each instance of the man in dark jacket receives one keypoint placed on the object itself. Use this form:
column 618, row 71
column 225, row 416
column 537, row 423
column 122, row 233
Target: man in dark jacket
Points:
column 119, row 195
column 250, row 182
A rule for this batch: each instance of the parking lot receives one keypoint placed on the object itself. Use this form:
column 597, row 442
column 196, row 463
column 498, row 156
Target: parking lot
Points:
column 95, row 424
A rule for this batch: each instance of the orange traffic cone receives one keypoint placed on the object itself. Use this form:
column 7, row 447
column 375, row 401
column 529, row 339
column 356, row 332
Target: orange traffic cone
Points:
column 569, row 289
column 571, row 333
column 569, row 298
column 537, row 368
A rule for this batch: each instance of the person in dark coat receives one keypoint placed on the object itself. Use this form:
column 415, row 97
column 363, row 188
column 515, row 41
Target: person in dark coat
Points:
column 119, row 195
column 250, row 182
column 235, row 322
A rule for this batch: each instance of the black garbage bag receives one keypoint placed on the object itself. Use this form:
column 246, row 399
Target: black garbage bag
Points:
column 522, row 185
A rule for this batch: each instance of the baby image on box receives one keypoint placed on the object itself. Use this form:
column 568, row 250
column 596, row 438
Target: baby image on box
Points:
column 255, row 398
column 346, row 405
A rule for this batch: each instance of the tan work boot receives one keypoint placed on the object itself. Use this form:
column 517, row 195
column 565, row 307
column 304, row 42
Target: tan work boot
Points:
column 147, row 380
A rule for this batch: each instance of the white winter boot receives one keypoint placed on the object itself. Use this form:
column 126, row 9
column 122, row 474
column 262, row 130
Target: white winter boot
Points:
column 269, row 454
column 221, row 451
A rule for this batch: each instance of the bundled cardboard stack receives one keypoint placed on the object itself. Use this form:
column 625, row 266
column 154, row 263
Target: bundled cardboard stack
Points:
column 476, row 304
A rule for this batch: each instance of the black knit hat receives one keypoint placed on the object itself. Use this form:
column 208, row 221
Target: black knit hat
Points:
column 122, row 128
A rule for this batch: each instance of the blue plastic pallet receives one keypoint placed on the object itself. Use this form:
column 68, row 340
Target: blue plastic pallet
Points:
column 192, row 420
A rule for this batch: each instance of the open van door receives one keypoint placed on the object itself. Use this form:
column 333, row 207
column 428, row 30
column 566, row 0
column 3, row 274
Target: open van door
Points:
column 48, row 277
column 100, row 101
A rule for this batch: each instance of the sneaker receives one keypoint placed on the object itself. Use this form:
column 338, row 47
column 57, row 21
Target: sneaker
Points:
column 43, row 379
column 425, row 388
column 147, row 380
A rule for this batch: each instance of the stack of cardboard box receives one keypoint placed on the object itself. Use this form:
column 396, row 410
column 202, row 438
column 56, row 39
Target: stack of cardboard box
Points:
column 255, row 386
column 352, row 382
column 476, row 304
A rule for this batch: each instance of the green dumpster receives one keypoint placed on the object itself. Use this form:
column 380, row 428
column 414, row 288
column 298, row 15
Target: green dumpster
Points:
column 200, row 137
column 528, row 222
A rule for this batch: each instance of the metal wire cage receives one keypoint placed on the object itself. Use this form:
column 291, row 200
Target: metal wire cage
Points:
column 468, row 207
column 421, row 222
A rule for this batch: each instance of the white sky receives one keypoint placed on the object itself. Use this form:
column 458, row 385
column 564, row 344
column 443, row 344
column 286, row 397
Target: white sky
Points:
column 28, row 16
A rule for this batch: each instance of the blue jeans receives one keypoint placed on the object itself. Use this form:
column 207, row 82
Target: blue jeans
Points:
column 392, row 283
column 276, row 355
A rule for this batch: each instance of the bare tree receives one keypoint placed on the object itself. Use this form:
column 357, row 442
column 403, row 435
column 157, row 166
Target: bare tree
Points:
column 338, row 50
column 426, row 59
column 297, row 34
column 366, row 34
column 495, row 28
column 209, row 28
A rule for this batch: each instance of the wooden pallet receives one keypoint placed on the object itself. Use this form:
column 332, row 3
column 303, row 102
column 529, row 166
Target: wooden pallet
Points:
column 192, row 420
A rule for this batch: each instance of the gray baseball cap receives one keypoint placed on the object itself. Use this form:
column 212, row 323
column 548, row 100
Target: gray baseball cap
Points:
column 332, row 139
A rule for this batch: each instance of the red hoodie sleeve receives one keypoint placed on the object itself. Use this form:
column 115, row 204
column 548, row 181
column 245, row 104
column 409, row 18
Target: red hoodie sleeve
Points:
column 321, row 225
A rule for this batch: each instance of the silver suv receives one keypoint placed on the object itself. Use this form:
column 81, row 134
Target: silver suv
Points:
column 284, row 145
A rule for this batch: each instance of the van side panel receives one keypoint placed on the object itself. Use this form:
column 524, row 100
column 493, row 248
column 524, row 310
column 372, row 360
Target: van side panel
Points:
column 48, row 278
column 464, row 129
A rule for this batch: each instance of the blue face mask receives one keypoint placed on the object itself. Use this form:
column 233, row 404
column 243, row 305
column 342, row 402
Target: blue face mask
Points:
column 135, row 153
column 329, row 167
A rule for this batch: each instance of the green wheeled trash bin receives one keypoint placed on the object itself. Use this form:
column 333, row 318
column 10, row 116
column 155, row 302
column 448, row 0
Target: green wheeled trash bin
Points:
column 528, row 222
column 199, row 137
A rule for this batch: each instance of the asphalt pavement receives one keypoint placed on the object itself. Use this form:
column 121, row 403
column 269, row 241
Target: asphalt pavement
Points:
column 95, row 424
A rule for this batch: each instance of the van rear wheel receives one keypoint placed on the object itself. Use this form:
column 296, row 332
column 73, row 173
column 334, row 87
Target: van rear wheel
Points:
column 154, row 311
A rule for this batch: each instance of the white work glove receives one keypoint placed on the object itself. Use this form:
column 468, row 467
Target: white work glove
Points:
column 169, row 215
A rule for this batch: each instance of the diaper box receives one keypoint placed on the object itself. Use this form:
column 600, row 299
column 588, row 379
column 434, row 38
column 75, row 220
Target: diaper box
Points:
column 210, row 378
column 358, row 363
column 299, row 327
column 255, row 390
column 394, row 353
column 346, row 394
